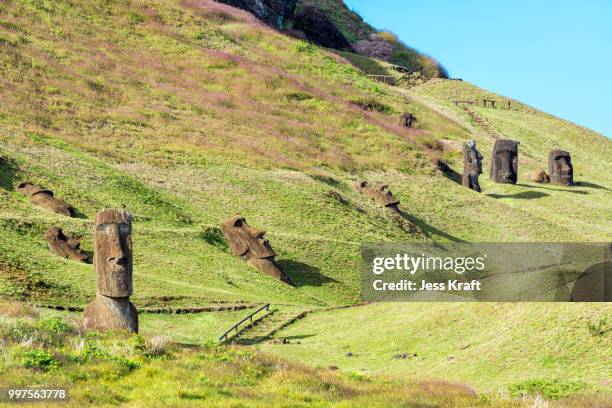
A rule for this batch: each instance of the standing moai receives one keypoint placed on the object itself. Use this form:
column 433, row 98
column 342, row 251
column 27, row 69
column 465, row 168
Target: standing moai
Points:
column 504, row 163
column 406, row 120
column 112, row 308
column 472, row 166
column 560, row 169
column 250, row 245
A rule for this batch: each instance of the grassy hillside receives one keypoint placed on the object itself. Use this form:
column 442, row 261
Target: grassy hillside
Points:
column 186, row 112
column 491, row 346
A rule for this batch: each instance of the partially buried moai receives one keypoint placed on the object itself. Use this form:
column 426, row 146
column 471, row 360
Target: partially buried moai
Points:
column 504, row 163
column 472, row 165
column 250, row 245
column 407, row 119
column 560, row 169
column 112, row 309
column 379, row 193
column 45, row 198
column 69, row 248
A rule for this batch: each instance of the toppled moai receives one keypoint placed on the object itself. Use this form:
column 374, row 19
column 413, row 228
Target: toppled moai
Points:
column 472, row 166
column 407, row 120
column 504, row 163
column 112, row 309
column 379, row 193
column 250, row 245
column 539, row 176
column 44, row 198
column 63, row 246
column 560, row 168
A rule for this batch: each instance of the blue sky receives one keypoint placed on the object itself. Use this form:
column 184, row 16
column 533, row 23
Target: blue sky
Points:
column 553, row 55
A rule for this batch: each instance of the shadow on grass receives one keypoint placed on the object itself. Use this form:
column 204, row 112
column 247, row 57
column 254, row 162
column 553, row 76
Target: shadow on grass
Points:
column 78, row 214
column 591, row 185
column 297, row 337
column 524, row 195
column 428, row 230
column 451, row 174
column 554, row 189
column 303, row 274
column 8, row 169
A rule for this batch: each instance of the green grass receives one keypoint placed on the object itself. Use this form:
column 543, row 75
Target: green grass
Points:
column 494, row 347
column 186, row 116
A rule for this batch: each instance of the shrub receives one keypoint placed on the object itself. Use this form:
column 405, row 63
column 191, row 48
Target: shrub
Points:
column 41, row 359
column 156, row 346
column 598, row 328
column 370, row 104
column 552, row 389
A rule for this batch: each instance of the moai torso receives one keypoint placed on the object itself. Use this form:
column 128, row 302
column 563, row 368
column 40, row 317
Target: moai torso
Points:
column 250, row 245
column 560, row 169
column 504, row 163
column 472, row 165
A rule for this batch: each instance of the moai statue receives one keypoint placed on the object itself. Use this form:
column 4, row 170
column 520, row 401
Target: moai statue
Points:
column 44, row 198
column 560, row 168
column 472, row 165
column 407, row 119
column 112, row 309
column 250, row 245
column 379, row 193
column 504, row 164
column 68, row 248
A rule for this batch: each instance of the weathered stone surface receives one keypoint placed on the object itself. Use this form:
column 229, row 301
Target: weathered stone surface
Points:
column 271, row 12
column 319, row 29
column 560, row 168
column 379, row 193
column 112, row 309
column 44, row 198
column 375, row 48
column 407, row 119
column 504, row 163
column 113, row 253
column 472, row 166
column 64, row 247
column 250, row 245
column 539, row 176
column 107, row 313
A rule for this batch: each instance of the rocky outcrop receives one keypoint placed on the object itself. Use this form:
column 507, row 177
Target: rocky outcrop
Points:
column 375, row 47
column 271, row 12
column 319, row 29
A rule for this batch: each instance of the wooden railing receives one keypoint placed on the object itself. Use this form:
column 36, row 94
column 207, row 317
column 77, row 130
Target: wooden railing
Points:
column 249, row 317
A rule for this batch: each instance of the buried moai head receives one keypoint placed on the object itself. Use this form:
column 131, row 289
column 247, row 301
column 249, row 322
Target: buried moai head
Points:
column 472, row 165
column 250, row 244
column 44, row 198
column 63, row 246
column 113, row 253
column 504, row 163
column 379, row 193
column 560, row 169
column 407, row 120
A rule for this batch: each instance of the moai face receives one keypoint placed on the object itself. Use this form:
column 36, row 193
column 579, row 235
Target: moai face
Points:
column 504, row 163
column 44, row 198
column 380, row 193
column 64, row 247
column 472, row 165
column 560, row 168
column 245, row 241
column 113, row 253
column 251, row 245
column 406, row 119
